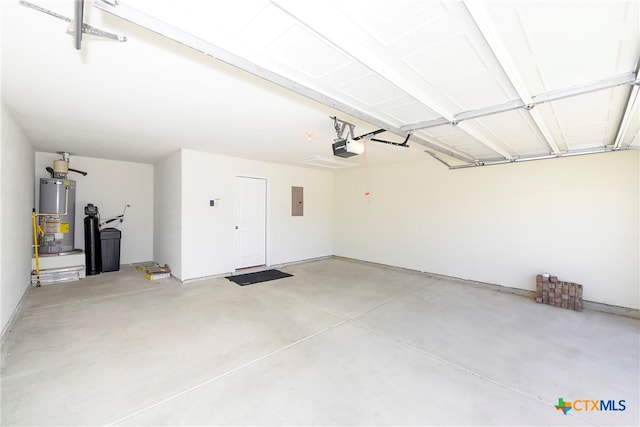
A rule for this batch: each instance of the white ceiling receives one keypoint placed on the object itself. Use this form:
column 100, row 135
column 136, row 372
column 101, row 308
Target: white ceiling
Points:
column 400, row 65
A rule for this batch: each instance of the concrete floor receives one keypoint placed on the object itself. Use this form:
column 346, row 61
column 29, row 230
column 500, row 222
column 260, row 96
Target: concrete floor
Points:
column 340, row 343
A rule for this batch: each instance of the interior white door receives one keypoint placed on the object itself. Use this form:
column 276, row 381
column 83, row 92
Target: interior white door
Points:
column 250, row 215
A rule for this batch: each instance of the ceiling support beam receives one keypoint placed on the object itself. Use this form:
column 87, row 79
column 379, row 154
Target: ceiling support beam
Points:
column 487, row 29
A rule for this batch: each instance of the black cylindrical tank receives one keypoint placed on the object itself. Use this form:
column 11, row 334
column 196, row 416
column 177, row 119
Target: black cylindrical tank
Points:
column 92, row 253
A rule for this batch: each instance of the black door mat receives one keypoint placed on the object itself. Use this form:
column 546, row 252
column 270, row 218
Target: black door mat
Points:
column 258, row 277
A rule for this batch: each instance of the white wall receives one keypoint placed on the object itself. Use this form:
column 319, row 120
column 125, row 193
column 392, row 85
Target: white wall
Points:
column 110, row 185
column 16, row 184
column 576, row 218
column 167, row 211
column 207, row 232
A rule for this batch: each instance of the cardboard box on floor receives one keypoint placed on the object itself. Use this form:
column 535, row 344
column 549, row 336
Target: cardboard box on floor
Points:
column 157, row 272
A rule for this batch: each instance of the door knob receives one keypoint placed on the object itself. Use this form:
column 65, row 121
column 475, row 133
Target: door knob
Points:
column 237, row 227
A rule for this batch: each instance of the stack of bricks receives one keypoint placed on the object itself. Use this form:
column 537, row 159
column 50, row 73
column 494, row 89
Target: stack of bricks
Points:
column 561, row 294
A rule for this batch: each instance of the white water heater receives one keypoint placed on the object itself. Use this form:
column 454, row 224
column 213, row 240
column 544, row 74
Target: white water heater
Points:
column 57, row 214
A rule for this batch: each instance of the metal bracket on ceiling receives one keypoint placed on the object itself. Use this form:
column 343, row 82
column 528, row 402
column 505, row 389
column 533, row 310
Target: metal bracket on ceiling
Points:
column 369, row 137
column 341, row 126
column 76, row 27
column 630, row 110
column 397, row 144
column 437, row 158
column 88, row 29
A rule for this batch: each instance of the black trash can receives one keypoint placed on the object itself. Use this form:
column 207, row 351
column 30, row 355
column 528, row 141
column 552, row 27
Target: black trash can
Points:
column 110, row 249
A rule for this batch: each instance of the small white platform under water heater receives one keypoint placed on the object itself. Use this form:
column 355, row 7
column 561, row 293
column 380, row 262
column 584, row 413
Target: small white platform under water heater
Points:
column 59, row 268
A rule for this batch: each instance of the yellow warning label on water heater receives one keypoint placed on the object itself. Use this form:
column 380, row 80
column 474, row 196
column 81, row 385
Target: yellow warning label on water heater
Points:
column 64, row 227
